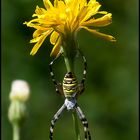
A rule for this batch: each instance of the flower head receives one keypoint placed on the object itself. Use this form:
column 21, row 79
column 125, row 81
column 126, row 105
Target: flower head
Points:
column 19, row 94
column 19, row 91
column 64, row 18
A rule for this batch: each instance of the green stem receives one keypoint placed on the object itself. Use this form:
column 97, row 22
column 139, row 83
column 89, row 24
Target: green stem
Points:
column 69, row 64
column 16, row 131
column 75, row 121
column 69, row 49
column 70, row 67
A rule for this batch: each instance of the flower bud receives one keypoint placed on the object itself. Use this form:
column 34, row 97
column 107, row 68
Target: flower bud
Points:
column 19, row 91
column 17, row 112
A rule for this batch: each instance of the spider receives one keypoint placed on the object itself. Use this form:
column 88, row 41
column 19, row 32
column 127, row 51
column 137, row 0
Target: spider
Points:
column 70, row 89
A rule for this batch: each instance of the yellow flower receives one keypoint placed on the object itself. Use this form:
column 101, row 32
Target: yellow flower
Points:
column 64, row 19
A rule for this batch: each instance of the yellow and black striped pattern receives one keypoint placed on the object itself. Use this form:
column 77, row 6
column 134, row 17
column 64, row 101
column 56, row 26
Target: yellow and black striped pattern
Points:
column 70, row 85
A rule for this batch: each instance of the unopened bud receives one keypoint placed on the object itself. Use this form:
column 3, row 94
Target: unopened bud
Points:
column 17, row 112
column 19, row 91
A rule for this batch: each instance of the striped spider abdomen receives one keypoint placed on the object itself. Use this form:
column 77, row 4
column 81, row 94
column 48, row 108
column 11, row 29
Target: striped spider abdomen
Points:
column 70, row 85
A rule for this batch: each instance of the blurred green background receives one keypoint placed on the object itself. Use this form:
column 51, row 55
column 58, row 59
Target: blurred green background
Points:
column 110, row 100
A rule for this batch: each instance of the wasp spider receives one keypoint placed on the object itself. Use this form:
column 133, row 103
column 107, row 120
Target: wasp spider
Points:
column 70, row 89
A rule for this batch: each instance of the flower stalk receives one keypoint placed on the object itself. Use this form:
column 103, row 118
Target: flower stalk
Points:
column 70, row 68
column 69, row 47
column 16, row 114
column 16, row 131
column 70, row 50
column 75, row 121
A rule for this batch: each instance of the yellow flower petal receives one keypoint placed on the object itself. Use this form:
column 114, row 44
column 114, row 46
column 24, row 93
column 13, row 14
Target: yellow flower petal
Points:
column 92, row 10
column 39, row 11
column 101, row 35
column 74, row 6
column 47, row 4
column 36, row 39
column 60, row 29
column 36, row 26
column 99, row 22
column 40, row 23
column 61, row 6
column 55, row 3
column 91, row 2
column 82, row 13
column 102, row 12
column 69, row 2
column 37, row 33
column 74, row 26
column 54, row 37
column 39, row 42
column 56, row 49
column 82, row 3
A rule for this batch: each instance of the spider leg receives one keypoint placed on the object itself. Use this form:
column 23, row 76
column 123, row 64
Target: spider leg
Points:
column 84, row 122
column 55, row 118
column 81, row 85
column 58, row 86
column 85, row 67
